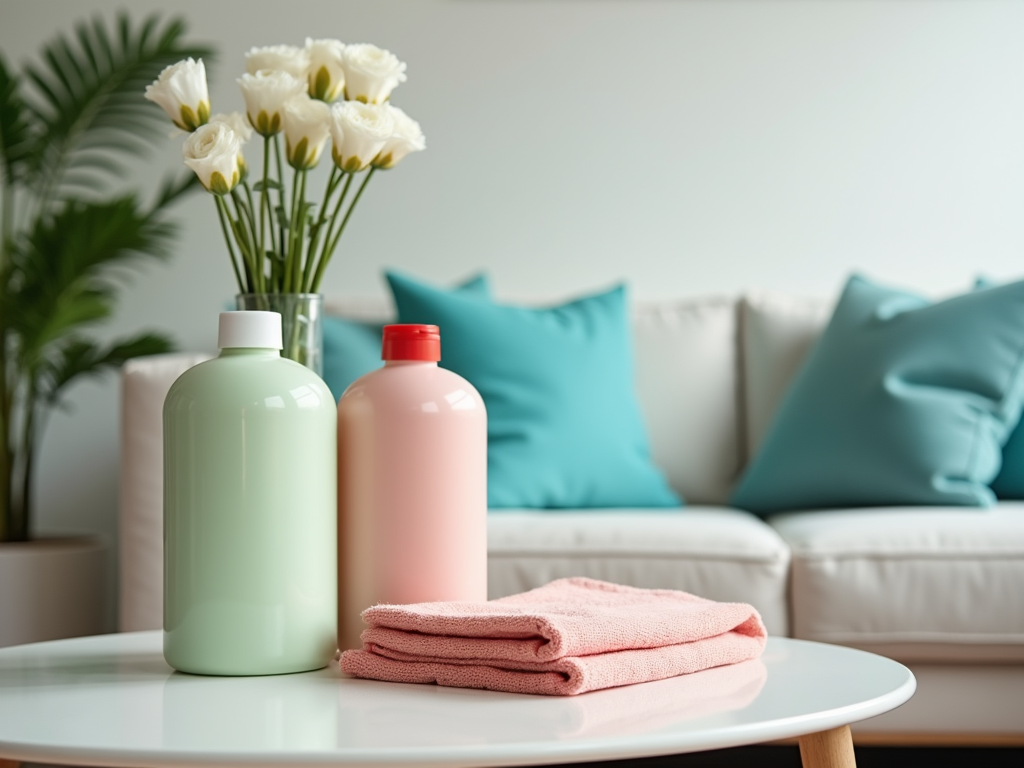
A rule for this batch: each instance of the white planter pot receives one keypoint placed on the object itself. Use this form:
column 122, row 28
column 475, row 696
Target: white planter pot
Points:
column 51, row 588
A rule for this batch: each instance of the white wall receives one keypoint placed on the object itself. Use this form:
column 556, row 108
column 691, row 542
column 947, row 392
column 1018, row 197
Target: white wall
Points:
column 686, row 147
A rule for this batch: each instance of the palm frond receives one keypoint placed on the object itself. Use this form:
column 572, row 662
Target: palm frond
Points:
column 63, row 269
column 87, row 90
column 172, row 188
column 78, row 356
column 15, row 130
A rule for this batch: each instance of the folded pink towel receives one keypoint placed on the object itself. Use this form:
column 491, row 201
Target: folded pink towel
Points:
column 568, row 637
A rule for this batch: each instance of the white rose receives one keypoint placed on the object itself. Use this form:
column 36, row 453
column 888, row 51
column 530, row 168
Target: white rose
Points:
column 371, row 74
column 237, row 122
column 406, row 137
column 182, row 92
column 265, row 95
column 307, row 125
column 212, row 151
column 359, row 132
column 278, row 58
column 326, row 74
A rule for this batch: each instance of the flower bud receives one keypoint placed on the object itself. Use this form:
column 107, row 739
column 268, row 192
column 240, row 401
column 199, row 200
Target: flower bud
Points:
column 406, row 137
column 213, row 151
column 266, row 93
column 326, row 74
column 359, row 132
column 371, row 74
column 306, row 129
column 182, row 92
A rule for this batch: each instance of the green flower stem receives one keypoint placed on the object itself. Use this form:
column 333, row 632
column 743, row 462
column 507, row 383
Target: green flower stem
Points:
column 258, row 256
column 247, row 217
column 332, row 185
column 293, row 225
column 264, row 209
column 282, row 201
column 221, row 213
column 325, row 259
column 245, row 246
column 294, row 349
column 351, row 208
column 333, row 221
column 247, row 228
column 300, row 235
column 314, row 236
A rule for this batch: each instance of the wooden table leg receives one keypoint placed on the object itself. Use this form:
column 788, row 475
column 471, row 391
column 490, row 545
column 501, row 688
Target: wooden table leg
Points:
column 828, row 749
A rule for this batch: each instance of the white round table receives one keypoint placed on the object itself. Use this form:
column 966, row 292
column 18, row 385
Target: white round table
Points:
column 112, row 700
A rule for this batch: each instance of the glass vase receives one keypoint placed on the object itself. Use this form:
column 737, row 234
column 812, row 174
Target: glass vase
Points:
column 301, row 324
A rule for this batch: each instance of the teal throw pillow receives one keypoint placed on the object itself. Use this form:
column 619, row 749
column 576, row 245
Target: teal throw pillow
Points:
column 564, row 427
column 901, row 401
column 352, row 347
column 1009, row 483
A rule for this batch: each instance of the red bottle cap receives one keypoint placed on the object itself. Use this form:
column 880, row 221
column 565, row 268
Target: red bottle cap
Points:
column 411, row 342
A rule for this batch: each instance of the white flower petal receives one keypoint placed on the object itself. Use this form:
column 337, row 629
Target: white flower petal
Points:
column 182, row 92
column 213, row 152
column 278, row 58
column 406, row 137
column 266, row 93
column 371, row 73
column 237, row 122
column 308, row 120
column 326, row 73
column 359, row 132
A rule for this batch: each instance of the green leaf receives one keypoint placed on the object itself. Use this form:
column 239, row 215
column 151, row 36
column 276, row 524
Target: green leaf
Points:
column 78, row 357
column 15, row 131
column 62, row 272
column 87, row 92
column 259, row 186
column 174, row 187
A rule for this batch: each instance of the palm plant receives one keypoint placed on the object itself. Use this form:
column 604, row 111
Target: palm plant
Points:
column 66, row 125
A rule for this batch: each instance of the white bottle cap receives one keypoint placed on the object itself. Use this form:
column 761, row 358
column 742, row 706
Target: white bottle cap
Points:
column 250, row 328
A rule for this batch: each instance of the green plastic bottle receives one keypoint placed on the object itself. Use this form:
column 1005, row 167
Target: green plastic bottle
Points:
column 250, row 545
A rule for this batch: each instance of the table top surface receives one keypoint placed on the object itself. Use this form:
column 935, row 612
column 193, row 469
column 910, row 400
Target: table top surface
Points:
column 112, row 700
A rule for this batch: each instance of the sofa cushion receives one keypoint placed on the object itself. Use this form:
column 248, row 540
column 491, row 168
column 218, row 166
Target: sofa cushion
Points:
column 901, row 401
column 715, row 552
column 776, row 333
column 564, row 428
column 930, row 583
column 687, row 384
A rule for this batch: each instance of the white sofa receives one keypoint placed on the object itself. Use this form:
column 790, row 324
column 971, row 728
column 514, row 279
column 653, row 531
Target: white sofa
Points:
column 940, row 589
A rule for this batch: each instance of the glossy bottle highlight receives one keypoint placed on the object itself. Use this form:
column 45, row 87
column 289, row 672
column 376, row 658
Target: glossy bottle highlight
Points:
column 249, row 509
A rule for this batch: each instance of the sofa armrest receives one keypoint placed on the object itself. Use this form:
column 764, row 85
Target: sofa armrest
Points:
column 144, row 385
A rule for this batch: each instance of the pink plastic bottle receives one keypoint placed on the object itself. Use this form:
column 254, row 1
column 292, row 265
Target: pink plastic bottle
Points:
column 412, row 483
